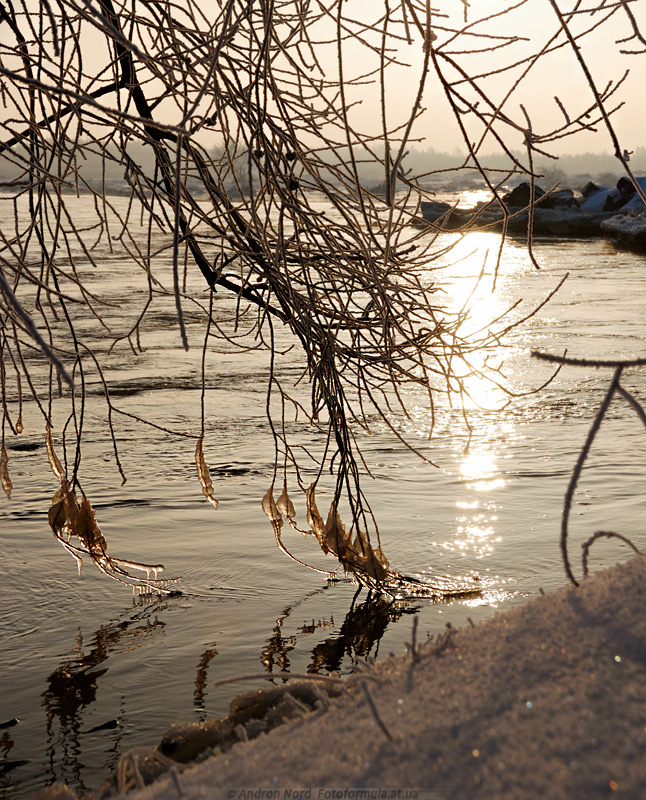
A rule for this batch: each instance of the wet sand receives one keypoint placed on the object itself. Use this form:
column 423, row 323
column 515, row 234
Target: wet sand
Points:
column 547, row 700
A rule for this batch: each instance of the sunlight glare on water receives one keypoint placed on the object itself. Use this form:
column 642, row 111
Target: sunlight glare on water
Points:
column 480, row 297
column 472, row 197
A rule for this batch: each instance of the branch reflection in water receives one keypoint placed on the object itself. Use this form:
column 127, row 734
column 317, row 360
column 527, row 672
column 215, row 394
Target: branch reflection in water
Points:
column 93, row 719
column 201, row 679
column 361, row 631
column 73, row 687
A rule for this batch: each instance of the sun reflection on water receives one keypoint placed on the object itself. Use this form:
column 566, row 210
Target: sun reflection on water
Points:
column 480, row 464
column 479, row 302
column 472, row 197
column 482, row 300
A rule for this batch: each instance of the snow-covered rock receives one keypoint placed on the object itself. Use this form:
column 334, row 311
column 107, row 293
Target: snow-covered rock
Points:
column 627, row 230
column 617, row 212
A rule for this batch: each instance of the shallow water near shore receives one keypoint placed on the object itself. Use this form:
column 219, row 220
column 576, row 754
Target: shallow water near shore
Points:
column 91, row 672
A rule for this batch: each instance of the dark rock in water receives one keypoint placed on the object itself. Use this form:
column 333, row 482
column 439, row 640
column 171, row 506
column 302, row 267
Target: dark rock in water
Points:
column 25, row 447
column 613, row 201
column 448, row 218
column 590, row 188
column 521, row 195
column 563, row 199
column 626, row 231
column 622, row 194
column 625, row 186
column 183, row 742
column 617, row 213
column 560, row 222
column 594, row 199
column 433, row 210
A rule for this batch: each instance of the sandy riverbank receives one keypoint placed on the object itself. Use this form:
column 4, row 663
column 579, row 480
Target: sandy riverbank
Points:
column 547, row 700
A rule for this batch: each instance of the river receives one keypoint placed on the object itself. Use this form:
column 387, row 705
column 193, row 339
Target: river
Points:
column 91, row 671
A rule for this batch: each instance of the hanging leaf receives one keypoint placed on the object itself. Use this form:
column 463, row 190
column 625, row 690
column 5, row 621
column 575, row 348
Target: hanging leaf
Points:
column 381, row 558
column 356, row 555
column 376, row 564
column 59, row 512
column 67, row 516
column 314, row 519
column 270, row 508
column 88, row 529
column 204, row 475
column 336, row 538
column 70, row 519
column 4, row 472
column 285, row 505
column 54, row 463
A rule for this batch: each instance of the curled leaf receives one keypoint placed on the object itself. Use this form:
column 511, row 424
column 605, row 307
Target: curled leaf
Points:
column 67, row 516
column 204, row 475
column 4, row 472
column 270, row 508
column 59, row 513
column 285, row 505
column 381, row 558
column 356, row 555
column 88, row 529
column 54, row 463
column 335, row 535
column 70, row 519
column 314, row 519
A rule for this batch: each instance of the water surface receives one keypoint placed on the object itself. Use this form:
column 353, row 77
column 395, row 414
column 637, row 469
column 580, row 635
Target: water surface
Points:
column 91, row 672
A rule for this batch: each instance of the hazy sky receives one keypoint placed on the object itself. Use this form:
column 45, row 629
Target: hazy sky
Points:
column 557, row 73
column 534, row 22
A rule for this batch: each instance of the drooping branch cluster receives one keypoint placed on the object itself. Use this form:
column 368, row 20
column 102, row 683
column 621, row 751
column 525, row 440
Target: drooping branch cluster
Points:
column 240, row 136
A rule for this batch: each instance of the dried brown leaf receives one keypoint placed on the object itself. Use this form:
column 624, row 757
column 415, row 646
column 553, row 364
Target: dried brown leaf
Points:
column 376, row 564
column 63, row 513
column 335, row 535
column 54, row 463
column 4, row 472
column 381, row 558
column 57, row 515
column 88, row 530
column 285, row 505
column 362, row 543
column 270, row 508
column 314, row 519
column 68, row 518
column 204, row 475
column 356, row 555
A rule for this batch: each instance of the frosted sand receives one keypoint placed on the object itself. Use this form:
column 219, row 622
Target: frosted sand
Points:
column 547, row 700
